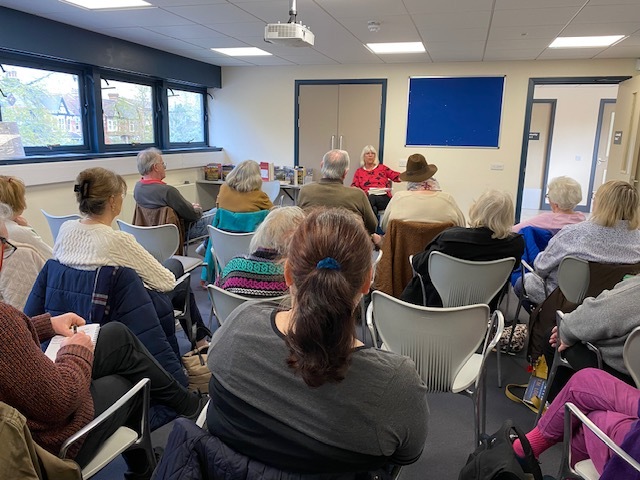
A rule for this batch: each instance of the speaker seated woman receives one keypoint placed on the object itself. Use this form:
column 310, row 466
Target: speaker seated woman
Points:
column 374, row 178
column 284, row 381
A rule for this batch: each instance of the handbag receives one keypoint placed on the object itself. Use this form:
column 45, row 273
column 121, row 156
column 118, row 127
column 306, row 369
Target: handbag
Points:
column 533, row 392
column 195, row 363
column 517, row 341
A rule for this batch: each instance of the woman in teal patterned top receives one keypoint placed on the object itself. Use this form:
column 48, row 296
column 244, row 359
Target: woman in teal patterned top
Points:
column 261, row 273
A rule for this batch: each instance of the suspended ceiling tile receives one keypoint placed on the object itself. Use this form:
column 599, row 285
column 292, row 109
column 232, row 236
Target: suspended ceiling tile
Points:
column 447, row 6
column 393, row 28
column 209, row 14
column 191, row 31
column 531, row 31
column 590, row 29
column 406, row 58
column 609, row 14
column 453, row 21
column 621, row 52
column 239, row 29
column 496, row 55
column 356, row 8
column 526, row 4
column 533, row 16
column 453, row 35
column 569, row 53
column 520, row 44
column 457, row 57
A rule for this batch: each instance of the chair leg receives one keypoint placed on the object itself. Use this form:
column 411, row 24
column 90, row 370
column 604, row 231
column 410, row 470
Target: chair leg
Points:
column 557, row 361
column 499, row 365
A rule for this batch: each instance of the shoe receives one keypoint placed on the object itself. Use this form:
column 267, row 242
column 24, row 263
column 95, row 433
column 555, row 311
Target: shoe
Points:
column 202, row 402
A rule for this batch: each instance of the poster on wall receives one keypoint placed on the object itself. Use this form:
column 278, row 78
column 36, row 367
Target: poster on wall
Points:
column 10, row 141
column 455, row 111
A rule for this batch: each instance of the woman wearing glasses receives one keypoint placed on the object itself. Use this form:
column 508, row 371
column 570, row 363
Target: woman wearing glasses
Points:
column 21, row 262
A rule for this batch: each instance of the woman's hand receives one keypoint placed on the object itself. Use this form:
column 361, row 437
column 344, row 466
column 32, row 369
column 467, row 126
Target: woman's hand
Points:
column 63, row 324
column 20, row 220
column 555, row 340
column 79, row 338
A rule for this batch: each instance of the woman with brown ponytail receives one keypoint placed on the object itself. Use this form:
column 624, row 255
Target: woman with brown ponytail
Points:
column 296, row 389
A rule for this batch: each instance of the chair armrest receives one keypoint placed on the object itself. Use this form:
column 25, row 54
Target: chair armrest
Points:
column 491, row 339
column 143, row 387
column 181, row 279
column 596, row 351
column 526, row 268
column 372, row 327
column 569, row 410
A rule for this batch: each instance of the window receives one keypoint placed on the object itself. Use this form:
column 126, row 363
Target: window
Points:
column 186, row 116
column 125, row 104
column 42, row 103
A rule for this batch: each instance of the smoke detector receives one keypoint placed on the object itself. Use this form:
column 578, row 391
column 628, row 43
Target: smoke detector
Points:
column 373, row 26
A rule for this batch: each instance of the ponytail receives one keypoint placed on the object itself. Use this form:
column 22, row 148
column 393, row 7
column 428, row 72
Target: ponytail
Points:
column 329, row 264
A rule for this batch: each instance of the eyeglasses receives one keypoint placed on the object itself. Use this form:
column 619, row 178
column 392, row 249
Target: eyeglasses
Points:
column 8, row 248
column 164, row 165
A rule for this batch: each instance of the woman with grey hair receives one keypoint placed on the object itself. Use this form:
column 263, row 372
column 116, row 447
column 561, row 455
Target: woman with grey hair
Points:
column 424, row 200
column 261, row 273
column 374, row 179
column 488, row 238
column 241, row 191
column 564, row 195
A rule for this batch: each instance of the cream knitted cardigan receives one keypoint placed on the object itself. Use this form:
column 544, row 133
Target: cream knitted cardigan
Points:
column 89, row 246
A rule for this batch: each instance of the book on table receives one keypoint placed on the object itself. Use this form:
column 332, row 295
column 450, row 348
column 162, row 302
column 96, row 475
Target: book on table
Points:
column 90, row 329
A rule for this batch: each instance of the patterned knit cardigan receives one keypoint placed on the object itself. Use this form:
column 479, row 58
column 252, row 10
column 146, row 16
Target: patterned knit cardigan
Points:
column 258, row 275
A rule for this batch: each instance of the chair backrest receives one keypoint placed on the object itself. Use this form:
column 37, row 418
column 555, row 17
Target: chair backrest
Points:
column 161, row 241
column 439, row 340
column 631, row 355
column 272, row 189
column 225, row 302
column 227, row 245
column 573, row 278
column 55, row 221
column 151, row 217
column 464, row 282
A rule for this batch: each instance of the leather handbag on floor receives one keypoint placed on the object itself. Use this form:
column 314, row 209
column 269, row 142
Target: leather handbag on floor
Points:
column 195, row 362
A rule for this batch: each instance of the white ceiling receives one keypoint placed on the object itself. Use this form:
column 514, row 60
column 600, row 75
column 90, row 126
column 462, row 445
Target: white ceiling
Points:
column 451, row 30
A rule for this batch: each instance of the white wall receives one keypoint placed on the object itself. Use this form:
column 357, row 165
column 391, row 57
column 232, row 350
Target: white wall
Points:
column 50, row 185
column 253, row 115
column 574, row 129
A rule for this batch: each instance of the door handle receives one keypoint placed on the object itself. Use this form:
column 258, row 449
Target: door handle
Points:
column 333, row 142
column 340, row 142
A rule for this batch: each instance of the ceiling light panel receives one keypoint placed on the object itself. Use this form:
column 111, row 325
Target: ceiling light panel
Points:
column 585, row 42
column 108, row 4
column 241, row 51
column 396, row 47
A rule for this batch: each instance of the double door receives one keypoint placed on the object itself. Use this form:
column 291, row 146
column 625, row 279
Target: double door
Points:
column 345, row 116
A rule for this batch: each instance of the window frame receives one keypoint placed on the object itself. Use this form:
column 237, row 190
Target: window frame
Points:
column 205, row 119
column 90, row 97
column 57, row 67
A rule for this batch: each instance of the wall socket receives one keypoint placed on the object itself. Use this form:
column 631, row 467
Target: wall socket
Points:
column 402, row 163
column 497, row 166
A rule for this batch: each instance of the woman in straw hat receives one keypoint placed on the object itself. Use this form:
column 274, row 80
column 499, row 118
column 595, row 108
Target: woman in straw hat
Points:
column 423, row 201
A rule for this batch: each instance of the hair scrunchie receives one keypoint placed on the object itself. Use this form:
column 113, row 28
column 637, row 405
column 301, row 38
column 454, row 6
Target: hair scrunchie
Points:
column 82, row 189
column 328, row 263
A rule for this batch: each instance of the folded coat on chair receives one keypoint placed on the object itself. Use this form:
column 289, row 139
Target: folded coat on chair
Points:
column 401, row 240
column 150, row 217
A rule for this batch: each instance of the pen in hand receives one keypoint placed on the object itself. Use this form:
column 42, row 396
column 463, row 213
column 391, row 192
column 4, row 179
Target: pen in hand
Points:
column 75, row 329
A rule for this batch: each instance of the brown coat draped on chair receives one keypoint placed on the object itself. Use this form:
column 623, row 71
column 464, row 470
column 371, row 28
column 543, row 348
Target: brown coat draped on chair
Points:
column 543, row 317
column 150, row 217
column 401, row 240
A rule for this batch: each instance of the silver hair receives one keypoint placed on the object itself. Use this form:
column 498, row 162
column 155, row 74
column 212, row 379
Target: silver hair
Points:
column 6, row 213
column 245, row 177
column 147, row 158
column 495, row 211
column 276, row 229
column 335, row 164
column 566, row 192
column 369, row 149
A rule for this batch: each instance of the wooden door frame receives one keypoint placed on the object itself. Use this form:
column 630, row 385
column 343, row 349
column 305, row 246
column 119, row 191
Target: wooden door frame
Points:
column 527, row 118
column 359, row 81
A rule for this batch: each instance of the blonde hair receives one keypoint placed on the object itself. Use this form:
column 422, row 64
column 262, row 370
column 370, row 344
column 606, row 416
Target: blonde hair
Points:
column 369, row 149
column 13, row 193
column 616, row 200
column 493, row 210
column 245, row 177
column 565, row 192
column 94, row 187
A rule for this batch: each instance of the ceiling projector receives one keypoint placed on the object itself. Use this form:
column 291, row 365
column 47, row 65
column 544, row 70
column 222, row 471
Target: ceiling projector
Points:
column 290, row 34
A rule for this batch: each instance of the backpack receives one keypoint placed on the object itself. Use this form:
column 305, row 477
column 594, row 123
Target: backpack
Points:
column 495, row 459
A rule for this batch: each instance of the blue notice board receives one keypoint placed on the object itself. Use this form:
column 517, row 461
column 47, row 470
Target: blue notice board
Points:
column 454, row 111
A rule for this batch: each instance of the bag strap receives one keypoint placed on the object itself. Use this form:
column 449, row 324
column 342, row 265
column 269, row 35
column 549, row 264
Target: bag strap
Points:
column 530, row 462
column 512, row 396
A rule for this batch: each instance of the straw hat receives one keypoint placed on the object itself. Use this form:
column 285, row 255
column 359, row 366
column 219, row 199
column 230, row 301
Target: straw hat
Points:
column 418, row 170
